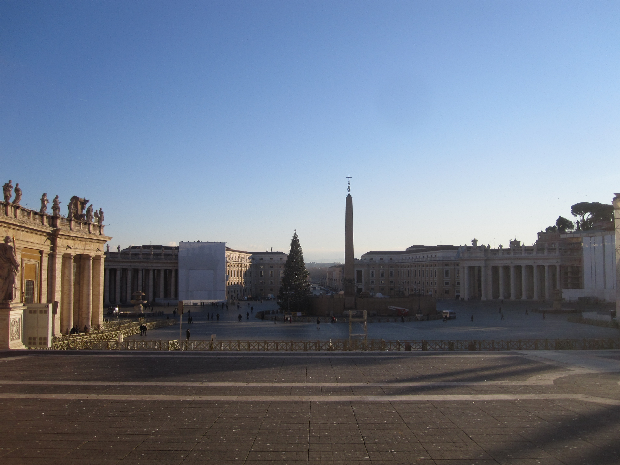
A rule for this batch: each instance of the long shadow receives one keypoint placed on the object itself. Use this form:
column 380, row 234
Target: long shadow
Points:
column 548, row 438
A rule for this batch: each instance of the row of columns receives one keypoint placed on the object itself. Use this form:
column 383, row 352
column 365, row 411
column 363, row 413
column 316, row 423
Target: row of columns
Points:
column 510, row 282
column 151, row 281
column 81, row 286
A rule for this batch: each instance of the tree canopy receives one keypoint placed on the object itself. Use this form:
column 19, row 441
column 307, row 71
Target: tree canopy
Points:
column 590, row 213
column 295, row 289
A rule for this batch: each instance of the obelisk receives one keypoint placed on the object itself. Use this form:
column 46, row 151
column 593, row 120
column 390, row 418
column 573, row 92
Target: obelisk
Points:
column 349, row 257
column 616, row 204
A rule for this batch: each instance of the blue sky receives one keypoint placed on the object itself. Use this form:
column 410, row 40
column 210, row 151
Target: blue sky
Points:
column 238, row 121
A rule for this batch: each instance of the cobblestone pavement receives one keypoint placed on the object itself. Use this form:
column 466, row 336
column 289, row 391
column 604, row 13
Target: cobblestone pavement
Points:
column 542, row 407
column 487, row 324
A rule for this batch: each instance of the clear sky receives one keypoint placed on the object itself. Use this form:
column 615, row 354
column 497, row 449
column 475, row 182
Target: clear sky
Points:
column 238, row 121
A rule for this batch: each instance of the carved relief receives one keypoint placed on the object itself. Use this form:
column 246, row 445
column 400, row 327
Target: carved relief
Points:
column 15, row 333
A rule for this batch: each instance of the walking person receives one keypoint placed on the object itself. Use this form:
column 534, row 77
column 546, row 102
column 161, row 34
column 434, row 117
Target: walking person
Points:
column 318, row 323
column 187, row 334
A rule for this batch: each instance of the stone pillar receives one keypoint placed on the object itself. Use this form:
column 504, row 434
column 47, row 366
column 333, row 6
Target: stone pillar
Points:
column 173, row 284
column 558, row 278
column 86, row 291
column 151, row 291
column 98, row 289
column 140, row 273
column 117, row 290
column 484, row 283
column 465, row 282
column 66, row 312
column 547, row 284
column 523, row 282
column 129, row 279
column 536, row 280
column 55, row 287
column 106, row 291
column 501, row 282
column 513, row 282
column 43, row 290
column 616, row 204
column 161, row 283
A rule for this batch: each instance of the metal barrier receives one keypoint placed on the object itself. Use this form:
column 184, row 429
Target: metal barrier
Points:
column 339, row 345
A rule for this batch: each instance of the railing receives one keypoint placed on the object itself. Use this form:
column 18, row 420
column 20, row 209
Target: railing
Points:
column 107, row 337
column 340, row 345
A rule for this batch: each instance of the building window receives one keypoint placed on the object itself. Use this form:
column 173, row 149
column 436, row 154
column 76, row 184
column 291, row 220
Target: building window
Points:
column 261, row 273
column 382, row 274
column 446, row 283
column 446, row 273
column 271, row 274
column 391, row 273
column 372, row 273
column 372, row 282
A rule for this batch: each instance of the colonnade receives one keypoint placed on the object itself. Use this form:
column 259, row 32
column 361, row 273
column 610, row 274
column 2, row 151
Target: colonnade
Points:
column 156, row 283
column 510, row 282
column 81, row 285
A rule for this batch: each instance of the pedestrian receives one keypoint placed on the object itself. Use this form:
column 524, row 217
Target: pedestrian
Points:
column 472, row 318
column 145, row 330
column 247, row 315
column 187, row 334
column 318, row 323
column 252, row 309
column 526, row 312
column 240, row 317
column 218, row 317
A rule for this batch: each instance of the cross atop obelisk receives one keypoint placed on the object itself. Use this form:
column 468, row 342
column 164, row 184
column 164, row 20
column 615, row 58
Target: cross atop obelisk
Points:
column 349, row 258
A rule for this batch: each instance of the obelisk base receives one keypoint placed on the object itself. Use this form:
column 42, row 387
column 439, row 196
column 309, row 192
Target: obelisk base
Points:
column 11, row 325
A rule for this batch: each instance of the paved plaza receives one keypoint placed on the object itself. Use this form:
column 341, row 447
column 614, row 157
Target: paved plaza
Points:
column 541, row 407
column 487, row 324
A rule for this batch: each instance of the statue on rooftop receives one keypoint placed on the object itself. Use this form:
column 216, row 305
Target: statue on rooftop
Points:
column 101, row 216
column 118, row 248
column 56, row 206
column 18, row 194
column 7, row 190
column 71, row 209
column 8, row 271
column 89, row 214
column 44, row 203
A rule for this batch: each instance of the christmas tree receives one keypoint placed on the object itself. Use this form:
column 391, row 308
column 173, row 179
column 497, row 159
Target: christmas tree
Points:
column 295, row 288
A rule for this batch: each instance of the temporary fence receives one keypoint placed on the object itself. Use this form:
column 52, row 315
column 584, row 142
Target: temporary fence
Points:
column 338, row 345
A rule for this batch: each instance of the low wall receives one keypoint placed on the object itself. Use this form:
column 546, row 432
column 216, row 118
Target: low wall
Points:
column 606, row 295
column 334, row 305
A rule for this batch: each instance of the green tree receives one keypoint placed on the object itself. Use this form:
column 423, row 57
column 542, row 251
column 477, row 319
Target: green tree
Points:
column 590, row 213
column 295, row 289
column 564, row 224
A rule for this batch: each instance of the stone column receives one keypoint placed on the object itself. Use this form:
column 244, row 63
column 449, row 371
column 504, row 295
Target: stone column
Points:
column 98, row 289
column 151, row 291
column 66, row 312
column 558, row 278
column 140, row 273
column 117, row 291
column 161, row 283
column 55, row 287
column 349, row 258
column 43, row 290
column 464, row 282
column 547, row 283
column 106, row 292
column 173, row 284
column 536, row 280
column 484, row 282
column 523, row 282
column 513, row 282
column 86, row 291
column 129, row 276
column 501, row 282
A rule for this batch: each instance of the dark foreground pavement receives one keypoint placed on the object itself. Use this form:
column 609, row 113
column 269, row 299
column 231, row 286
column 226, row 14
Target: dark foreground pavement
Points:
column 189, row 408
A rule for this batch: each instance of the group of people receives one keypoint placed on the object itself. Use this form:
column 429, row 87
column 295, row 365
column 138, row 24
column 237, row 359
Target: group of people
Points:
column 143, row 329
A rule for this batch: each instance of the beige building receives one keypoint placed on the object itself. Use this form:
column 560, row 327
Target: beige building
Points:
column 153, row 269
column 59, row 283
column 265, row 274
column 428, row 270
